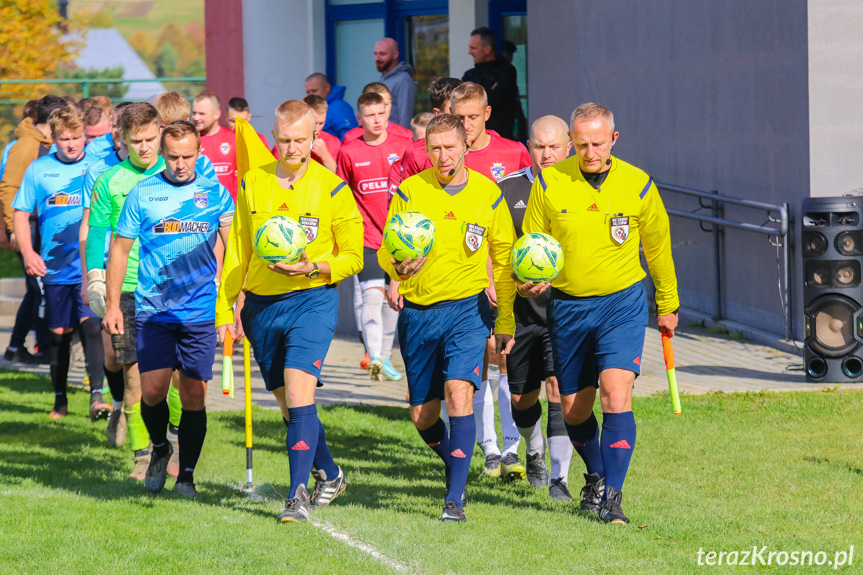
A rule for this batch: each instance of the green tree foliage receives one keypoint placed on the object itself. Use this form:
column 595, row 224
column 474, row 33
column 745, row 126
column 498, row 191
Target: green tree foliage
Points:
column 112, row 90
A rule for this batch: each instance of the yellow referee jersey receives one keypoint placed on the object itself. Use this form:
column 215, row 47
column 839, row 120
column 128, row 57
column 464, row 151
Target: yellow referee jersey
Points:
column 600, row 230
column 321, row 202
column 470, row 226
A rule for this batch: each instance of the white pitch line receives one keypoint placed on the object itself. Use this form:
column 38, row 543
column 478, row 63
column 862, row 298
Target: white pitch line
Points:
column 365, row 548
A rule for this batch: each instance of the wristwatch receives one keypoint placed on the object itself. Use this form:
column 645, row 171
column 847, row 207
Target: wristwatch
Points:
column 314, row 273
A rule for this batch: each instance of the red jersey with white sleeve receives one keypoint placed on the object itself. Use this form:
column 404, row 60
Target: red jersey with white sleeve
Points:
column 392, row 128
column 221, row 148
column 394, row 178
column 498, row 159
column 366, row 168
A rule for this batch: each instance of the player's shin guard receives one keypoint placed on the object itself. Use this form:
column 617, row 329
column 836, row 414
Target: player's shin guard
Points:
column 437, row 438
column 323, row 458
column 136, row 429
column 508, row 427
column 156, row 419
column 94, row 355
column 175, row 406
column 559, row 446
column 302, row 443
column 618, row 441
column 61, row 351
column 462, row 438
column 483, row 412
column 529, row 424
column 585, row 439
column 193, row 430
column 116, row 385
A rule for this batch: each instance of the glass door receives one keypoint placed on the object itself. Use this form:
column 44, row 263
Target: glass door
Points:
column 426, row 47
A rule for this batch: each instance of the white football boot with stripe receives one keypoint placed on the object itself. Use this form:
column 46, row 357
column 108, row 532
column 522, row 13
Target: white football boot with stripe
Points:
column 325, row 491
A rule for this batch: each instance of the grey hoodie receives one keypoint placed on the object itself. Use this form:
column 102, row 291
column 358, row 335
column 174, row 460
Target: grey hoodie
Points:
column 400, row 81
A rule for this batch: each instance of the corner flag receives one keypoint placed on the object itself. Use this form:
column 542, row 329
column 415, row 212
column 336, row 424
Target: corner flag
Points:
column 251, row 152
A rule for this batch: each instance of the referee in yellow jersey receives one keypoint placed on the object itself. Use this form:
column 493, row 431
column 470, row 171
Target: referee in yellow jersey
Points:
column 290, row 311
column 600, row 208
column 445, row 319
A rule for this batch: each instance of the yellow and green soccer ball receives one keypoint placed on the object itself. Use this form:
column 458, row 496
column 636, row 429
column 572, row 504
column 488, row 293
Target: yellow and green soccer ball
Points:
column 537, row 258
column 409, row 235
column 280, row 240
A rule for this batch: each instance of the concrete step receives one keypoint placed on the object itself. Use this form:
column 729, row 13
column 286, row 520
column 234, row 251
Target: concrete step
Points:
column 9, row 305
column 12, row 288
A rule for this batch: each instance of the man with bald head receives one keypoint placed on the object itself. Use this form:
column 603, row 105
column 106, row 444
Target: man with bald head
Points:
column 398, row 77
column 340, row 115
column 601, row 209
column 530, row 361
column 290, row 311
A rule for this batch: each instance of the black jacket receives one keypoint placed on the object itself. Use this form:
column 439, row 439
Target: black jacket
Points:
column 498, row 77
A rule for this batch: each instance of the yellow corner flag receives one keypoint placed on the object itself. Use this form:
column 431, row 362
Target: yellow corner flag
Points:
column 251, row 151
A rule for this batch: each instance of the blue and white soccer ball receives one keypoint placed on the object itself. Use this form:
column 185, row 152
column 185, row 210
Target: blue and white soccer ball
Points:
column 280, row 240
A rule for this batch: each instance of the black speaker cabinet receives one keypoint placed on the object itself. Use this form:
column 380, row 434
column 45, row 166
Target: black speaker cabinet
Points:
column 832, row 249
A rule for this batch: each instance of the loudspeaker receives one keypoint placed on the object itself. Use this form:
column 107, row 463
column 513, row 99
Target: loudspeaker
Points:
column 832, row 249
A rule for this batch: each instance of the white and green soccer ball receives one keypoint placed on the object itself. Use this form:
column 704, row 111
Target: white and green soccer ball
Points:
column 409, row 235
column 536, row 257
column 280, row 240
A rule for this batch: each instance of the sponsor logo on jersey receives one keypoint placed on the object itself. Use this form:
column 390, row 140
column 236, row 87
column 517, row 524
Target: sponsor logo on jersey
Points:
column 50, row 175
column 619, row 228
column 201, row 200
column 473, row 235
column 593, row 208
column 450, row 216
column 497, row 170
column 225, row 148
column 159, row 199
column 361, row 164
column 392, row 158
column 520, row 205
column 175, row 226
column 373, row 185
column 311, row 226
column 222, row 169
column 64, row 199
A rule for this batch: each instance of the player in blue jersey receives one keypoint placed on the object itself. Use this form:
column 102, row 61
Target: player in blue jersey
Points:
column 52, row 186
column 175, row 214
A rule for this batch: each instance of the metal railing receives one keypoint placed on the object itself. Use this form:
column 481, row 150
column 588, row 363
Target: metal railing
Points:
column 87, row 82
column 777, row 228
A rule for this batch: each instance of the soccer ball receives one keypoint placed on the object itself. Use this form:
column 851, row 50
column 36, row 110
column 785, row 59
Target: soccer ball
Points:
column 537, row 257
column 280, row 240
column 409, row 235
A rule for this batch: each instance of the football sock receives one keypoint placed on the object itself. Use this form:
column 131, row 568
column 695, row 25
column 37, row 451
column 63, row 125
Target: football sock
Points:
column 116, row 385
column 323, row 458
column 510, row 432
column 390, row 320
column 137, row 431
column 302, row 443
column 358, row 308
column 559, row 446
column 436, row 437
column 618, row 441
column 175, row 406
column 90, row 331
column 61, row 351
column 483, row 412
column 156, row 419
column 529, row 423
column 193, row 430
column 585, row 440
column 372, row 320
column 462, row 438
column 443, row 414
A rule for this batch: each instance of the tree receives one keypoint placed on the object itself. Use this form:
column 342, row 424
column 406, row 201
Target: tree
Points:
column 112, row 90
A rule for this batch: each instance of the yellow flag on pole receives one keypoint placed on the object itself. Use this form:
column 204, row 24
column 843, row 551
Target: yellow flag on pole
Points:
column 251, row 151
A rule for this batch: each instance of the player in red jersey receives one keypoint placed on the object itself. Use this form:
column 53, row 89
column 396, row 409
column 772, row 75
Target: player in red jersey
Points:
column 239, row 108
column 392, row 127
column 326, row 147
column 217, row 142
column 418, row 134
column 365, row 164
column 415, row 158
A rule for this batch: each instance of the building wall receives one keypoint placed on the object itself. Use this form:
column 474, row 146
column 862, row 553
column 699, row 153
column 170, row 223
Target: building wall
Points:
column 223, row 41
column 706, row 95
column 464, row 16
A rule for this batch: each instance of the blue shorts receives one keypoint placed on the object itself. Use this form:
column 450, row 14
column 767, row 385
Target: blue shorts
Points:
column 189, row 347
column 64, row 306
column 443, row 341
column 591, row 334
column 291, row 331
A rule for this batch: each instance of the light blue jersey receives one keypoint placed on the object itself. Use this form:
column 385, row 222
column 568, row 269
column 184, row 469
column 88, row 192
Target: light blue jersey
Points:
column 96, row 169
column 176, row 225
column 55, row 190
column 204, row 167
column 100, row 147
column 5, row 157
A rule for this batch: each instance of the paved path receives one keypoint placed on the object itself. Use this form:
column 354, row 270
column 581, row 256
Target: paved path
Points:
column 705, row 363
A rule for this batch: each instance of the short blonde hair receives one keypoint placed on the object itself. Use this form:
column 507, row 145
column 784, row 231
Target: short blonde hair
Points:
column 316, row 103
column 591, row 111
column 66, row 118
column 214, row 100
column 105, row 103
column 444, row 123
column 468, row 91
column 172, row 107
column 293, row 111
column 377, row 88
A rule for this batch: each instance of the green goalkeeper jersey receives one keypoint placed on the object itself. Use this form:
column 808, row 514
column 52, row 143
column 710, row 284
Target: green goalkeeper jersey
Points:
column 106, row 203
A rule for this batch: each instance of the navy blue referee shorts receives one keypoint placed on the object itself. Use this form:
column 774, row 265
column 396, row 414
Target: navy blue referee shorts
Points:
column 293, row 330
column 591, row 334
column 443, row 341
